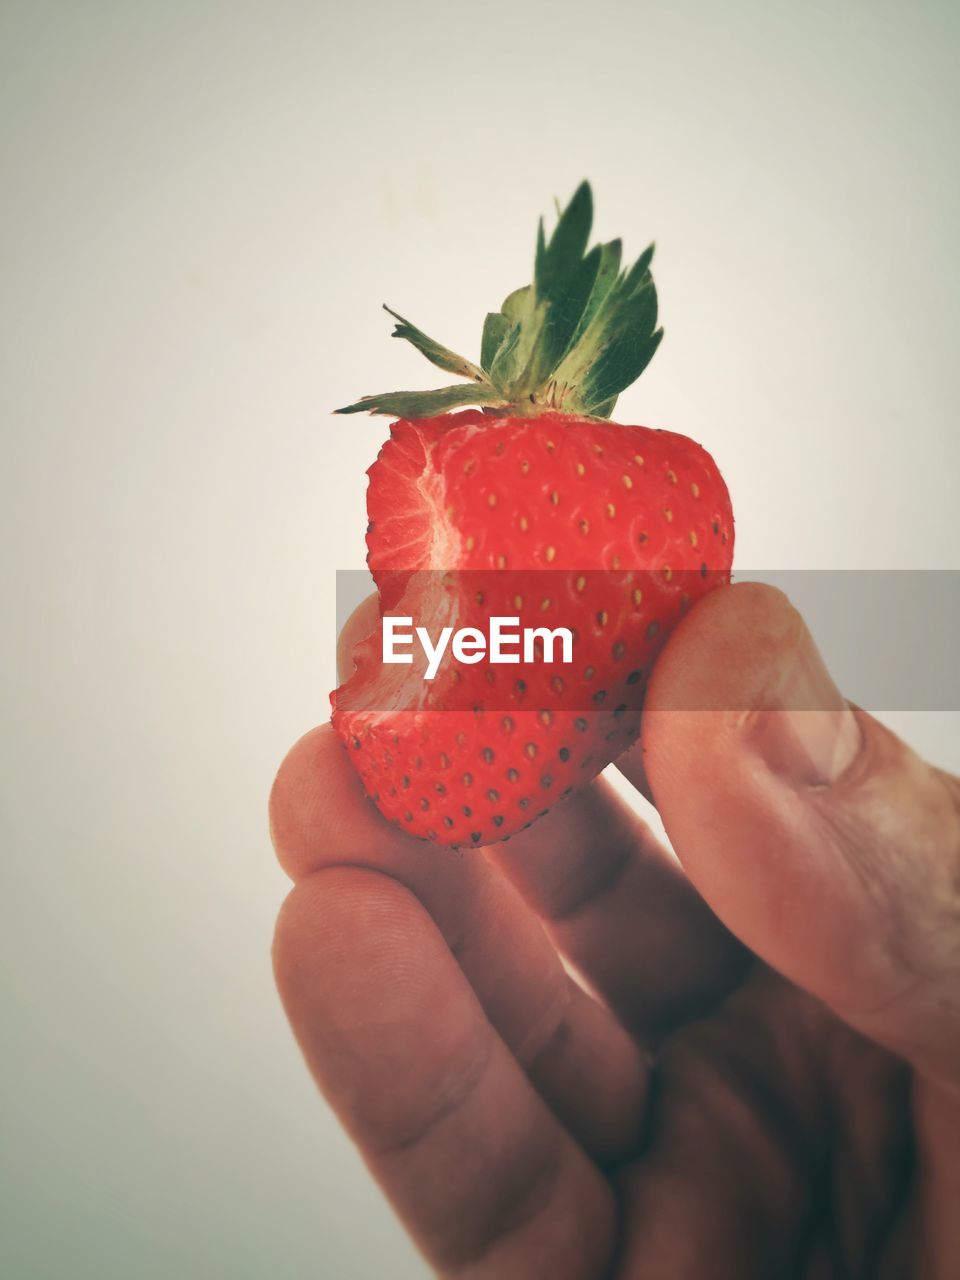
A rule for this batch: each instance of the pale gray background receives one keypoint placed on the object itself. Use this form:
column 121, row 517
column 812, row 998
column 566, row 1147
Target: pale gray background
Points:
column 203, row 206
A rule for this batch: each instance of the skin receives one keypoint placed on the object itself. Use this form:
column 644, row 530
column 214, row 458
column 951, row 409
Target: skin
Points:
column 756, row 1072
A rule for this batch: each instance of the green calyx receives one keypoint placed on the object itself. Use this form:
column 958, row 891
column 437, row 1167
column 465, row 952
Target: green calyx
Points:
column 570, row 342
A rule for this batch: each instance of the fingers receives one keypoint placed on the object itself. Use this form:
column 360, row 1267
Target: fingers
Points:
column 484, row 1176
column 816, row 835
column 620, row 908
column 585, row 1064
column 731, row 1183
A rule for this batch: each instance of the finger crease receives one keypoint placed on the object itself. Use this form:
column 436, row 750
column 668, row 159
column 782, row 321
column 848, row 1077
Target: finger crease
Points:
column 449, row 1099
column 516, row 1211
column 548, row 1033
column 603, row 877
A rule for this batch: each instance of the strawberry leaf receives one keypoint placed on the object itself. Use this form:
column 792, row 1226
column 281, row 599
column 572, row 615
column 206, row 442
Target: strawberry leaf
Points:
column 435, row 352
column 617, row 344
column 513, row 360
column 495, row 329
column 563, row 281
column 571, row 341
column 604, row 410
column 606, row 278
column 425, row 404
column 623, row 361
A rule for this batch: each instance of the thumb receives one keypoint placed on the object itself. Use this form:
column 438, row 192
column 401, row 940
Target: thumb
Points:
column 814, row 833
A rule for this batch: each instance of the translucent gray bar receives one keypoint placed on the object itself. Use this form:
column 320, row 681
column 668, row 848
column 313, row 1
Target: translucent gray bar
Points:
column 890, row 638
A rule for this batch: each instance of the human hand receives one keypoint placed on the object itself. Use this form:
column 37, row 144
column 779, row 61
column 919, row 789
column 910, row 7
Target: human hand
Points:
column 765, row 1086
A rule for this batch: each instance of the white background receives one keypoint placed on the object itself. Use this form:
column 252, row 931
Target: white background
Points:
column 204, row 206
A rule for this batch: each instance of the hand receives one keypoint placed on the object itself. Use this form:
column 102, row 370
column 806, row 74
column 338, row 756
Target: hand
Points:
column 766, row 1080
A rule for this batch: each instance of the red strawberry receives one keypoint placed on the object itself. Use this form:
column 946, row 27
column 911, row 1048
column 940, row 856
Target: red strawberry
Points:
column 538, row 509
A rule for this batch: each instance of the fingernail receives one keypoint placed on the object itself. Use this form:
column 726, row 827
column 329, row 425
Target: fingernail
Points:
column 805, row 730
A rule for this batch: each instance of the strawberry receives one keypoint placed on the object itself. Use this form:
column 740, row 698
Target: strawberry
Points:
column 536, row 508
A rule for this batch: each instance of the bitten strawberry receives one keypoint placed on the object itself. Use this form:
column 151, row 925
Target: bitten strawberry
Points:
column 534, row 507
